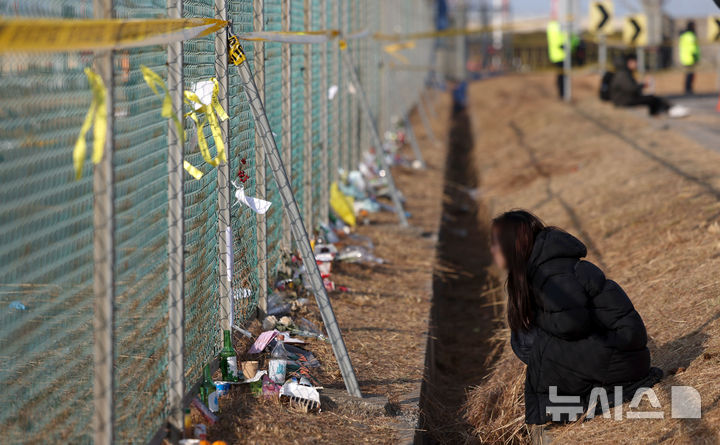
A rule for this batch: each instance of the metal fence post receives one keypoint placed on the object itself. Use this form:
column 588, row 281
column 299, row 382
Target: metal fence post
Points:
column 176, row 236
column 354, row 132
column 338, row 143
column 308, row 120
column 345, row 116
column 262, row 126
column 286, row 128
column 413, row 141
column 104, row 258
column 223, row 172
column 260, row 184
column 324, row 192
column 351, row 76
column 384, row 71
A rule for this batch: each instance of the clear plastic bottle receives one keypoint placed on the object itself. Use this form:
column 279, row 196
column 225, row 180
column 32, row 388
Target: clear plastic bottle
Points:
column 278, row 363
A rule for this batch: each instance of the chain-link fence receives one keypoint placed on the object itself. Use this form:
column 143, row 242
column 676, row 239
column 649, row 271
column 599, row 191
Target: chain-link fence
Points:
column 47, row 225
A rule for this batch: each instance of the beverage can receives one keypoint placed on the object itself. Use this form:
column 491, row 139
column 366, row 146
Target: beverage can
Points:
column 223, row 388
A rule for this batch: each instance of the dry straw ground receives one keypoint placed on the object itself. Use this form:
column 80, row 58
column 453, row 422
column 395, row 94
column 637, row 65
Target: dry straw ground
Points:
column 646, row 202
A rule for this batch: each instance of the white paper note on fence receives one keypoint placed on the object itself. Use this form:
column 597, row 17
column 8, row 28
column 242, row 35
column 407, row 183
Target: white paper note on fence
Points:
column 203, row 90
column 255, row 204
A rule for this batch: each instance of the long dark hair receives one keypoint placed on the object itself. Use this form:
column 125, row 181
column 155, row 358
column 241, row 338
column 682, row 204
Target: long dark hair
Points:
column 514, row 232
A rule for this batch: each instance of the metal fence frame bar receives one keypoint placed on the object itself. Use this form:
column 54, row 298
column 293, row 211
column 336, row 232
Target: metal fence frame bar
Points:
column 176, row 238
column 103, row 416
column 345, row 117
column 223, row 172
column 351, row 76
column 308, row 120
column 260, row 180
column 324, row 192
column 334, row 174
column 286, row 118
column 353, row 105
column 262, row 126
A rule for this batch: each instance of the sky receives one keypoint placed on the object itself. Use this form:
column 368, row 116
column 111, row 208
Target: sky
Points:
column 677, row 8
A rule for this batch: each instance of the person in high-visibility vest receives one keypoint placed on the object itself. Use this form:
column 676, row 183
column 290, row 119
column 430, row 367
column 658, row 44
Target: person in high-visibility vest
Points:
column 689, row 55
column 556, row 52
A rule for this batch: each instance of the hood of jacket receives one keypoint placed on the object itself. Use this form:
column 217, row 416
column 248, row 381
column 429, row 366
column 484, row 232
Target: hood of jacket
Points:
column 553, row 243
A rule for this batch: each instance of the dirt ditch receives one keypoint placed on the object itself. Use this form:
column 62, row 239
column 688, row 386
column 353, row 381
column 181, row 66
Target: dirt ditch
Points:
column 464, row 313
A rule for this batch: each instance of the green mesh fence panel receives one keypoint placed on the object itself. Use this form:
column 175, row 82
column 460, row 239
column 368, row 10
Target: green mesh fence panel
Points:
column 242, row 148
column 46, row 257
column 141, row 230
column 273, row 108
column 201, row 219
column 297, row 92
column 317, row 125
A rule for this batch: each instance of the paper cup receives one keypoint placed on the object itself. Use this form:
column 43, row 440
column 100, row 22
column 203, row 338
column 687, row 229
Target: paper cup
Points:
column 249, row 369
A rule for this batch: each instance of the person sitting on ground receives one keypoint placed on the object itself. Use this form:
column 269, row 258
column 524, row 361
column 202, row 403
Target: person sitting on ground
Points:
column 573, row 328
column 625, row 91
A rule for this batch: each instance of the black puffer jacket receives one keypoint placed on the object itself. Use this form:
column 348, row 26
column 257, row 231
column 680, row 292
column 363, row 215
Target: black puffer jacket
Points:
column 586, row 331
column 624, row 89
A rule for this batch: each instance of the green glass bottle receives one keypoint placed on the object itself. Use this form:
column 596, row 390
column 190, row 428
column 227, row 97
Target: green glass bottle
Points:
column 207, row 386
column 228, row 359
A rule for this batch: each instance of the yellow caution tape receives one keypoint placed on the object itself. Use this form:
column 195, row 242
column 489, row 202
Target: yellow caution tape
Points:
column 97, row 118
column 452, row 32
column 45, row 35
column 301, row 37
column 194, row 171
column 393, row 49
column 209, row 111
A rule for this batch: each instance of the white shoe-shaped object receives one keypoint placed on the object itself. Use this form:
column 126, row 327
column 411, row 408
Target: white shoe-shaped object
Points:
column 678, row 111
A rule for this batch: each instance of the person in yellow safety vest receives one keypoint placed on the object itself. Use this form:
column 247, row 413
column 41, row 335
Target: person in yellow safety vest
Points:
column 556, row 51
column 689, row 55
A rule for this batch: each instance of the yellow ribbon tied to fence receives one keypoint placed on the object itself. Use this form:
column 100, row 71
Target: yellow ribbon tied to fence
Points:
column 154, row 81
column 97, row 118
column 394, row 48
column 209, row 110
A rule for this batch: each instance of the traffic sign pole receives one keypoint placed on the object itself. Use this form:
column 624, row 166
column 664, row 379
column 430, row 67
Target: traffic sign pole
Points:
column 601, row 17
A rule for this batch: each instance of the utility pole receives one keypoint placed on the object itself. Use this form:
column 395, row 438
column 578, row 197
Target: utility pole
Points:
column 654, row 11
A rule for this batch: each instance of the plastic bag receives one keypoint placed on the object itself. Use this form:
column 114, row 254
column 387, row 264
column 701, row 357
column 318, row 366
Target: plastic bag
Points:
column 342, row 205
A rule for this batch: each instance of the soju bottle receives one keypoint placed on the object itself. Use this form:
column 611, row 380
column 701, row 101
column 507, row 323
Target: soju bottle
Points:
column 228, row 359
